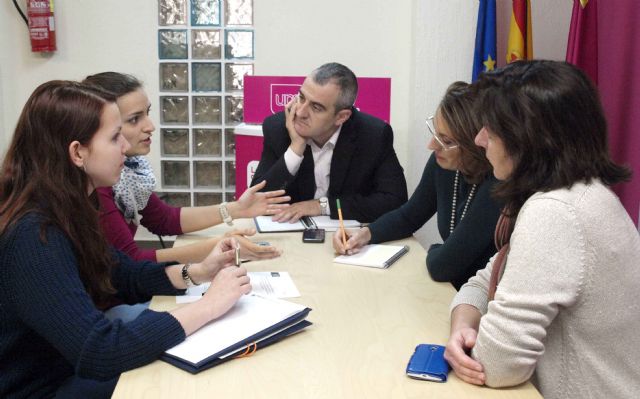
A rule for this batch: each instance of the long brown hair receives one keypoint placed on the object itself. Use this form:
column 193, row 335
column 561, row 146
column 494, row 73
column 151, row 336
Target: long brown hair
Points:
column 456, row 108
column 38, row 175
column 549, row 116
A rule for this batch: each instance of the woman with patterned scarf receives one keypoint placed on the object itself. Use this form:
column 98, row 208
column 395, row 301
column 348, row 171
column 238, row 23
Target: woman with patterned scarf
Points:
column 131, row 201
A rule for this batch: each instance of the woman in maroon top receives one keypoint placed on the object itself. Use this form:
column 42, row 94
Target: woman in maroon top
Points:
column 132, row 202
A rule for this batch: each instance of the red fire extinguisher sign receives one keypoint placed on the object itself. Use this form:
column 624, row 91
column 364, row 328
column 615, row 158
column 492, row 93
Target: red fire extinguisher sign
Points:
column 41, row 25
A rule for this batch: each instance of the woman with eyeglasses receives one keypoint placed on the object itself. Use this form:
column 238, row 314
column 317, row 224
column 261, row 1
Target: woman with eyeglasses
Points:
column 456, row 184
column 558, row 303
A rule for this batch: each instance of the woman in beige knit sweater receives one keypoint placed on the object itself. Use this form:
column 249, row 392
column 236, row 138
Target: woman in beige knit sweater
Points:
column 558, row 302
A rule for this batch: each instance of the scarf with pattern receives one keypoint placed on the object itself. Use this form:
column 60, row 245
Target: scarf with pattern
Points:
column 136, row 184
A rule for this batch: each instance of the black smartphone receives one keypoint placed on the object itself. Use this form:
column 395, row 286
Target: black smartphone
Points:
column 313, row 235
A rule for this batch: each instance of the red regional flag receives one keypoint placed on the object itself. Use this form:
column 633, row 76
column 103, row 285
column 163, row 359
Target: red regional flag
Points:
column 582, row 47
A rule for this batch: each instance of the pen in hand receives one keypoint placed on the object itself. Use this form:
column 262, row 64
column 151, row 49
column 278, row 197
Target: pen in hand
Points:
column 237, row 254
column 344, row 234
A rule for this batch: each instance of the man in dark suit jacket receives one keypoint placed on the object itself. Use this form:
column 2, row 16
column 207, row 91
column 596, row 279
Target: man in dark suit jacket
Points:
column 322, row 149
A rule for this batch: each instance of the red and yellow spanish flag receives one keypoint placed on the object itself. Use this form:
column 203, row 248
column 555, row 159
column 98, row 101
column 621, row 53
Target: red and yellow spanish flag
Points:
column 520, row 44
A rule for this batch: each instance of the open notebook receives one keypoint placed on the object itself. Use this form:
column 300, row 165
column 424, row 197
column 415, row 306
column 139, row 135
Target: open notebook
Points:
column 265, row 224
column 375, row 255
column 253, row 323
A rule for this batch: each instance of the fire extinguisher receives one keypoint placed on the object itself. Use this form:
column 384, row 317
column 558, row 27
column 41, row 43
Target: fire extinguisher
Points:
column 42, row 28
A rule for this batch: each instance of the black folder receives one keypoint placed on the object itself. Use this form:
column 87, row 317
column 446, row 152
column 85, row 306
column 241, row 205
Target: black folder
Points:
column 263, row 338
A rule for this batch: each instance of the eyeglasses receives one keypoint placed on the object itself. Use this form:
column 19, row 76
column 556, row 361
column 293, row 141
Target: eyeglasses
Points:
column 446, row 144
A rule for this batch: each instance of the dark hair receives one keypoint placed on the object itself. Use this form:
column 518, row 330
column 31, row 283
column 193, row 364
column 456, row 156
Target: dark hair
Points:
column 456, row 108
column 549, row 116
column 117, row 83
column 39, row 177
column 343, row 77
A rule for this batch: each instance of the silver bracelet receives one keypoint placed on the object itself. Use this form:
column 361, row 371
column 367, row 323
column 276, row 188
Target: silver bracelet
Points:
column 224, row 213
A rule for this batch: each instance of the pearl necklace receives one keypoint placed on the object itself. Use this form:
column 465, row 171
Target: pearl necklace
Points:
column 452, row 225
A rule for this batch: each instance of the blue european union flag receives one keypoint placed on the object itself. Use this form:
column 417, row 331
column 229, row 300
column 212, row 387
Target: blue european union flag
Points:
column 484, row 56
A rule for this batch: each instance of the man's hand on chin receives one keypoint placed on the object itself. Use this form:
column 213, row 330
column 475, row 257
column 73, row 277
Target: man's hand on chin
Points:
column 298, row 143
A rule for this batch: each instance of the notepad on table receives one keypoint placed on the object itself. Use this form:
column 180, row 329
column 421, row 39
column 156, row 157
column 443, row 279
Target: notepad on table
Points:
column 253, row 323
column 374, row 255
column 265, row 224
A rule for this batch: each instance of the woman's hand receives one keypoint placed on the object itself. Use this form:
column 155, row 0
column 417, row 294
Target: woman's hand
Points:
column 466, row 368
column 222, row 255
column 254, row 203
column 227, row 287
column 356, row 239
column 251, row 250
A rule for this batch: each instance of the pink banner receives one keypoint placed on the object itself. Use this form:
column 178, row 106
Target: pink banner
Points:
column 248, row 151
column 266, row 95
column 619, row 62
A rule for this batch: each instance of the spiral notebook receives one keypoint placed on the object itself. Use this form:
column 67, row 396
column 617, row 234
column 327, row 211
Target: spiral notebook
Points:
column 375, row 255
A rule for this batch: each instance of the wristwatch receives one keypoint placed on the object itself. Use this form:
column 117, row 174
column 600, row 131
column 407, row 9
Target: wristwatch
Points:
column 186, row 277
column 324, row 206
column 224, row 213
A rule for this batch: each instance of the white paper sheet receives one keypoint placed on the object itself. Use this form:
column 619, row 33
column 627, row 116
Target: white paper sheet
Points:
column 266, row 284
column 265, row 224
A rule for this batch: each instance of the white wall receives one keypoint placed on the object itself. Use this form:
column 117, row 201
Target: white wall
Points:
column 92, row 36
column 372, row 37
column 423, row 45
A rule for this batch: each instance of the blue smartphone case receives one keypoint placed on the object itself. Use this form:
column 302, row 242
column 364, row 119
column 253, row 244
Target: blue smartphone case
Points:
column 427, row 363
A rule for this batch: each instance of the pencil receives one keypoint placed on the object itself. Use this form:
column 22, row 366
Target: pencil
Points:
column 237, row 254
column 344, row 234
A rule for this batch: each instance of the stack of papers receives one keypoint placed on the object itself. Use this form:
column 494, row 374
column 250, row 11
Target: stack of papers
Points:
column 253, row 322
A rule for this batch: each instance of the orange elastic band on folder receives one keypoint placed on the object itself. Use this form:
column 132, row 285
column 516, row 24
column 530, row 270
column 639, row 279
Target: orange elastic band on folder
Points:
column 251, row 349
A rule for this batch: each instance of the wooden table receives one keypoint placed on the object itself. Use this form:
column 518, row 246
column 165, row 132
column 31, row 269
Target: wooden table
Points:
column 366, row 323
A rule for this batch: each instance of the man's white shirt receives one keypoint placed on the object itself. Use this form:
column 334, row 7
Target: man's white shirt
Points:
column 321, row 160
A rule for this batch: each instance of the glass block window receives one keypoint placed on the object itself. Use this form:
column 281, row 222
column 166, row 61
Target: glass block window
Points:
column 207, row 142
column 172, row 12
column 203, row 199
column 174, row 77
column 238, row 44
column 238, row 12
column 172, row 43
column 206, row 76
column 175, row 174
column 174, row 110
column 175, row 142
column 175, row 198
column 205, row 49
column 205, row 44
